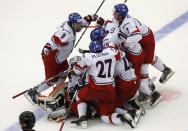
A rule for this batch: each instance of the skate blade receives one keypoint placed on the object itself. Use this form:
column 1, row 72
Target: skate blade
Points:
column 169, row 76
column 159, row 100
column 139, row 113
column 82, row 125
column 146, row 105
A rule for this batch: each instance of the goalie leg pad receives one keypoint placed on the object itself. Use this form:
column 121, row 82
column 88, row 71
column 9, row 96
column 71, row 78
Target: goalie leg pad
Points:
column 58, row 115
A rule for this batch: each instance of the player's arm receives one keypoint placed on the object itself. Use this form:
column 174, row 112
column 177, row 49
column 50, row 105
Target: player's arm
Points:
column 89, row 18
column 61, row 37
column 131, row 31
column 130, row 34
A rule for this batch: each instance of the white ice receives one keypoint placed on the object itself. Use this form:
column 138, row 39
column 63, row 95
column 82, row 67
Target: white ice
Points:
column 26, row 25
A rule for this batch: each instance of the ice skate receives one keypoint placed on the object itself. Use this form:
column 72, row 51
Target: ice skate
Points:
column 155, row 99
column 136, row 114
column 167, row 74
column 126, row 117
column 80, row 123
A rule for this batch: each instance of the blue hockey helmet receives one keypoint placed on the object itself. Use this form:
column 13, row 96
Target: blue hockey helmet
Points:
column 121, row 9
column 75, row 21
column 97, row 34
column 75, row 18
column 96, row 46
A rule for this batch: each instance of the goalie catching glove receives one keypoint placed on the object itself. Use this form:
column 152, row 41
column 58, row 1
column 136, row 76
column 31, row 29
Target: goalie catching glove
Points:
column 54, row 101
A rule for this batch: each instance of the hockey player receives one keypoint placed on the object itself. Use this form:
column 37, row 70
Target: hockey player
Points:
column 27, row 121
column 131, row 34
column 62, row 101
column 57, row 50
column 126, row 81
column 148, row 44
column 100, row 88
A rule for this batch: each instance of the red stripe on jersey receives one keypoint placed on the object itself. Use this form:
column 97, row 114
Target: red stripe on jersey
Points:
column 108, row 46
column 118, row 56
column 107, row 21
column 79, row 67
column 110, row 119
column 57, row 41
column 136, row 31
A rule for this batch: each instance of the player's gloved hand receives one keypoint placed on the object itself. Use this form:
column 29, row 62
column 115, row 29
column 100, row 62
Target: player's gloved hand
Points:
column 90, row 18
column 46, row 51
column 100, row 22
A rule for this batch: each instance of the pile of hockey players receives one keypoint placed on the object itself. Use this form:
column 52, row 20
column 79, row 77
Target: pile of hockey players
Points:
column 110, row 80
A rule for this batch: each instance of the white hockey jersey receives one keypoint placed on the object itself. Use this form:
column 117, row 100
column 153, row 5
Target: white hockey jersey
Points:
column 111, row 39
column 124, row 70
column 100, row 65
column 130, row 33
column 62, row 41
column 144, row 29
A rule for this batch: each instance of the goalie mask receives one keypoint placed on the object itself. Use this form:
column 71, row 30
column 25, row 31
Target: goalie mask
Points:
column 27, row 120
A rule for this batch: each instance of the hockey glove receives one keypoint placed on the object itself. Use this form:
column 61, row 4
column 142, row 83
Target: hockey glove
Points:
column 90, row 18
column 100, row 22
column 46, row 50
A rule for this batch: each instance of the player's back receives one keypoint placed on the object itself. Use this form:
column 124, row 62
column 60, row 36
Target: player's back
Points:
column 63, row 34
column 124, row 70
column 63, row 42
column 101, row 65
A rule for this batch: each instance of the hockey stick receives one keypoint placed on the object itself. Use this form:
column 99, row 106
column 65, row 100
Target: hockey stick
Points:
column 125, row 1
column 36, row 86
column 68, row 110
column 88, row 25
